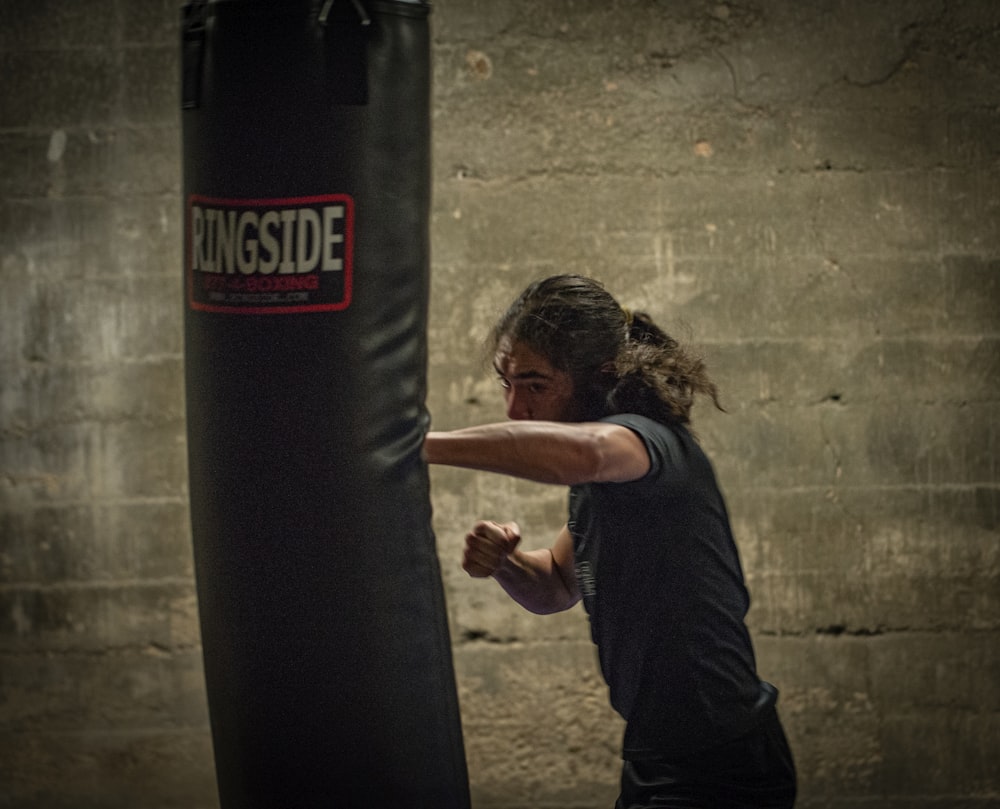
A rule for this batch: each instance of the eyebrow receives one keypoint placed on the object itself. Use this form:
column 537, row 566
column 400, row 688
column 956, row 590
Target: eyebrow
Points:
column 522, row 375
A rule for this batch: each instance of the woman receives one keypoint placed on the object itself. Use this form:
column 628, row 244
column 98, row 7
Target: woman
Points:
column 600, row 400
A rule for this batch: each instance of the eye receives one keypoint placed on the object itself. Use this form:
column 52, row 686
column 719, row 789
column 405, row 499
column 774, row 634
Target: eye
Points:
column 504, row 382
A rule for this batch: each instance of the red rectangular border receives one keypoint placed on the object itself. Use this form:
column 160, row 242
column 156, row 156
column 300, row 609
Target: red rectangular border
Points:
column 345, row 199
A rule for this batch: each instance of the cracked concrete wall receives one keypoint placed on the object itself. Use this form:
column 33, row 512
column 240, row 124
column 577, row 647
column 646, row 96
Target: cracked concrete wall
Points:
column 808, row 191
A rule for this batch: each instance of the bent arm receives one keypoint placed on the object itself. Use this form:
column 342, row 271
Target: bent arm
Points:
column 541, row 581
column 544, row 451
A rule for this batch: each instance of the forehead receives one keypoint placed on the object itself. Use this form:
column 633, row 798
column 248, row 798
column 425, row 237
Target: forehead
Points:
column 516, row 360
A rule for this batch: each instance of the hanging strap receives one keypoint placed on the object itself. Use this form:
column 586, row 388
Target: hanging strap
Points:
column 324, row 12
column 193, row 56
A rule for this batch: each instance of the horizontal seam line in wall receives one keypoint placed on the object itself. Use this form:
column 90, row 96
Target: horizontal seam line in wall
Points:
column 113, row 731
column 97, row 584
column 171, row 196
column 110, row 365
column 894, row 487
column 97, row 502
column 866, row 633
column 825, row 341
column 109, row 126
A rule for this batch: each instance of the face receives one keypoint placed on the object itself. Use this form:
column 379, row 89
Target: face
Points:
column 533, row 388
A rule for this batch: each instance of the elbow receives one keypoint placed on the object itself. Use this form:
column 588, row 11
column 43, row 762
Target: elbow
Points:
column 553, row 605
column 594, row 460
column 614, row 454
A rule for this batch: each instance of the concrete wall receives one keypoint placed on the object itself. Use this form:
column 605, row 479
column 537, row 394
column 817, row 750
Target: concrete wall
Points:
column 810, row 191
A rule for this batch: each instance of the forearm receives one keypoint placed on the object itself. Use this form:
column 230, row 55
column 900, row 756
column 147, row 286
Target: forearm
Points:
column 535, row 582
column 546, row 452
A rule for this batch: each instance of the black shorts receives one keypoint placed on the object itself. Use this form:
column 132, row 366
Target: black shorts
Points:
column 755, row 771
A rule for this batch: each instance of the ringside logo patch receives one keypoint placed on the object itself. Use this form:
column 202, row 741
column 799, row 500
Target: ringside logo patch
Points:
column 269, row 256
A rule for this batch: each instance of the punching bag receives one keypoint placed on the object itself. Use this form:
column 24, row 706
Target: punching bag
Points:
column 306, row 147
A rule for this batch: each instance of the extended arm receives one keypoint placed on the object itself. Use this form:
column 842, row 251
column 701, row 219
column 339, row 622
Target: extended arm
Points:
column 565, row 453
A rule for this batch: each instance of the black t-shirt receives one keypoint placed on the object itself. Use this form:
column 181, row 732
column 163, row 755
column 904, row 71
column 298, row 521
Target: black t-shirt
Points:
column 662, row 583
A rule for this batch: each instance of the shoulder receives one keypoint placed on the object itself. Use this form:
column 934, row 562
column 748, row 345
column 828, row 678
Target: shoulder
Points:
column 649, row 429
column 670, row 447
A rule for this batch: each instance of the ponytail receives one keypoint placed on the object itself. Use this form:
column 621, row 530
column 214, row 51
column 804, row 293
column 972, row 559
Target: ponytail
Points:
column 620, row 361
column 656, row 376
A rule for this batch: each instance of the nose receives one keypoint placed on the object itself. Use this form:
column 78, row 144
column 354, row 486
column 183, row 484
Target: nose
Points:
column 517, row 405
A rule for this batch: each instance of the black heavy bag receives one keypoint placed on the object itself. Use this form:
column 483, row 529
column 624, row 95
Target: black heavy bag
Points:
column 306, row 188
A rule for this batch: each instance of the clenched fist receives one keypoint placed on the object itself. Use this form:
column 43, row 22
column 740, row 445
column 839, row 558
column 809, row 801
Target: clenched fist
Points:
column 487, row 545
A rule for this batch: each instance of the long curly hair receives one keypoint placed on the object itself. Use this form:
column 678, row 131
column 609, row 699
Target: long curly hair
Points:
column 619, row 361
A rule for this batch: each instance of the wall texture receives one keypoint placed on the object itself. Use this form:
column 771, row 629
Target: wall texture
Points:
column 810, row 192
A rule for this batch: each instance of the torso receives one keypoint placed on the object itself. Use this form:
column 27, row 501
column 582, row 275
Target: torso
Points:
column 661, row 580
